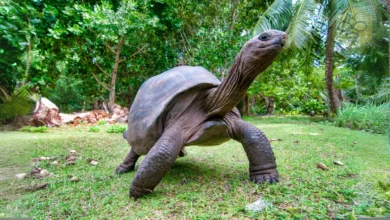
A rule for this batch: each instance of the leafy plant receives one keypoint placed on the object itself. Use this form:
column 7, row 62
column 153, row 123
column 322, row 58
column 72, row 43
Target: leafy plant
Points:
column 93, row 129
column 116, row 128
column 371, row 118
column 102, row 122
column 41, row 129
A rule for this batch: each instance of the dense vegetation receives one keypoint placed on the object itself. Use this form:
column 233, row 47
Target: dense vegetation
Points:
column 82, row 53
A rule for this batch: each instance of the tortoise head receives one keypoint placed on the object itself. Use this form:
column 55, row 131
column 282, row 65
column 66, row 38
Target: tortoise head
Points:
column 259, row 52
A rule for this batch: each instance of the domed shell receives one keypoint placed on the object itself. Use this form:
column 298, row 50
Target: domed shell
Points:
column 153, row 98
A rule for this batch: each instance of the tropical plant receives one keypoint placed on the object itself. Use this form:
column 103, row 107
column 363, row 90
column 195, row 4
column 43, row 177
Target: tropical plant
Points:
column 306, row 18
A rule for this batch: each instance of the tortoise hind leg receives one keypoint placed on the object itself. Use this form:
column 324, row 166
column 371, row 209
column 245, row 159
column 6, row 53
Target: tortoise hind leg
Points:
column 128, row 163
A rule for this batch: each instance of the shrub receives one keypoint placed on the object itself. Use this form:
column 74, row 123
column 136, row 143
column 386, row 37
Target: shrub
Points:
column 116, row 128
column 14, row 107
column 41, row 129
column 315, row 106
column 93, row 129
column 371, row 118
column 102, row 122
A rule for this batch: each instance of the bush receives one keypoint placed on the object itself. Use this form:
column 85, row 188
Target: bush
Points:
column 14, row 107
column 102, row 122
column 93, row 129
column 371, row 118
column 116, row 128
column 32, row 129
column 314, row 106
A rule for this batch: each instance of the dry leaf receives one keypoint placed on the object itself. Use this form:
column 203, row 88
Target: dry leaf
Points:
column 21, row 176
column 322, row 166
column 74, row 179
column 274, row 139
column 336, row 162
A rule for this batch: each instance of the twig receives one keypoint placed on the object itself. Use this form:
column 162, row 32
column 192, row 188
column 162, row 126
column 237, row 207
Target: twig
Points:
column 101, row 83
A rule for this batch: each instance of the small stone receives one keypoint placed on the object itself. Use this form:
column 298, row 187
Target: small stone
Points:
column 72, row 152
column 42, row 158
column 21, row 176
column 54, row 162
column 258, row 206
column 336, row 162
column 93, row 162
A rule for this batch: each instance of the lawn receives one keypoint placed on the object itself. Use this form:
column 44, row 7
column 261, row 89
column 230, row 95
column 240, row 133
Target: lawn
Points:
column 209, row 183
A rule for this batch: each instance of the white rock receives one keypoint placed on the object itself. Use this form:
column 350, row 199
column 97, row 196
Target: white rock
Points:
column 93, row 162
column 44, row 173
column 258, row 205
column 21, row 176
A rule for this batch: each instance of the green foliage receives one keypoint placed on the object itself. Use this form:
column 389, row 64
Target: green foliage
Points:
column 14, row 106
column 93, row 129
column 41, row 129
column 68, row 94
column 102, row 122
column 314, row 106
column 371, row 118
column 116, row 128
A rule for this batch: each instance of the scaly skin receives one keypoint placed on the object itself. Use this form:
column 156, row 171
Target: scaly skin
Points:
column 262, row 164
column 157, row 163
column 129, row 162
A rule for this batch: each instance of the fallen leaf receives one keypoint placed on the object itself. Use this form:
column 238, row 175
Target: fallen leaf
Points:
column 37, row 187
column 21, row 176
column 313, row 134
column 92, row 161
column 74, row 179
column 54, row 162
column 336, row 162
column 322, row 166
column 274, row 139
column 70, row 160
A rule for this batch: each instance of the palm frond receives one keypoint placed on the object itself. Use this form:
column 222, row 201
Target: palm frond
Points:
column 276, row 16
column 300, row 29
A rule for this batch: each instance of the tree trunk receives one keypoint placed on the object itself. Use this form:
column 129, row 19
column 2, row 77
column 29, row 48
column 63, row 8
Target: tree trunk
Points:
column 111, row 99
column 269, row 103
column 246, row 105
column 334, row 102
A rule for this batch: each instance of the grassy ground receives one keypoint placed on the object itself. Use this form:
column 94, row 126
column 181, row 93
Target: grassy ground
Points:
column 208, row 183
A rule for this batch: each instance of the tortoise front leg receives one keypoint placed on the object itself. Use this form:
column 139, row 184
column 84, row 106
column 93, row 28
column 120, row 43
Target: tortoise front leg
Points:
column 129, row 162
column 157, row 163
column 262, row 164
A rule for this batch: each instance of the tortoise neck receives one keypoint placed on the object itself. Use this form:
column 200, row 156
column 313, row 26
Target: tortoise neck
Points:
column 230, row 92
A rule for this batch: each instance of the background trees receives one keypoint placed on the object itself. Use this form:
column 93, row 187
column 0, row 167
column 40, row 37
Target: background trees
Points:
column 82, row 53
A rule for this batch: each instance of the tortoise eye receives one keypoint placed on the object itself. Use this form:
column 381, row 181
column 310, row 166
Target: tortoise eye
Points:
column 264, row 37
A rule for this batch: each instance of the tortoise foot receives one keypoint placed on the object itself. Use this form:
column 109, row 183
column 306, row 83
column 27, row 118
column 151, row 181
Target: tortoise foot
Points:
column 124, row 168
column 268, row 176
column 136, row 192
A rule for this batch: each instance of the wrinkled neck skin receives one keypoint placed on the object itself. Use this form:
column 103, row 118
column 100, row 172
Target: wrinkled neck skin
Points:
column 226, row 96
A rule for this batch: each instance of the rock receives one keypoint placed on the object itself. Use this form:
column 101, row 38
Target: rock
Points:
column 21, row 176
column 92, row 161
column 257, row 206
column 46, row 113
column 72, row 152
column 39, row 173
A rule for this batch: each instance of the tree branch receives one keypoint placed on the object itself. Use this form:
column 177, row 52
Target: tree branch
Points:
column 110, row 48
column 100, row 82
column 102, row 69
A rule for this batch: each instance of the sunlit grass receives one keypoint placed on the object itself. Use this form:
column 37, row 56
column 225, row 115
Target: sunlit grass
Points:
column 210, row 182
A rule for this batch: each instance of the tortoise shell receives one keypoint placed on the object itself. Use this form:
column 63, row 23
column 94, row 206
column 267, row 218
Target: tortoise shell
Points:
column 154, row 97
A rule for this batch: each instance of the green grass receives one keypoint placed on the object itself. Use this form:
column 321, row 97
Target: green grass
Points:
column 41, row 129
column 371, row 118
column 210, row 182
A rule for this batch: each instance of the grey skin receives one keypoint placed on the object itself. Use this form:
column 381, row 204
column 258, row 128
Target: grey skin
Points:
column 189, row 106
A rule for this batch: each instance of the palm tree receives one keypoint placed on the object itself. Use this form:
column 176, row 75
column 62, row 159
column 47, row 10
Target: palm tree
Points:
column 305, row 19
